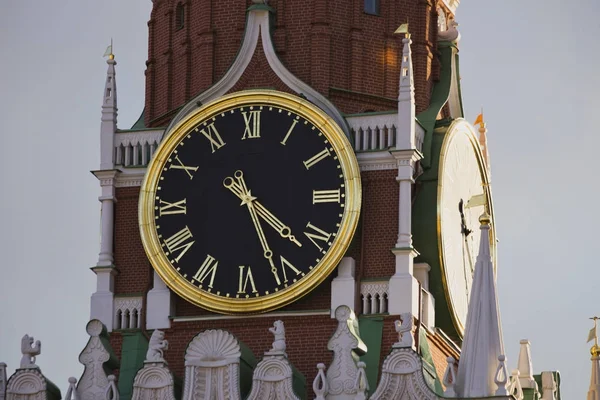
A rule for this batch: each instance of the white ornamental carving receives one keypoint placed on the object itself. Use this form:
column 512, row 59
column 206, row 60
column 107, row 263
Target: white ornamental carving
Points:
column 154, row 381
column 29, row 351
column 402, row 378
column 273, row 376
column 93, row 382
column 72, row 390
column 26, row 384
column 2, row 381
column 279, row 346
column 212, row 362
column 320, row 383
column 272, row 379
column 345, row 344
column 128, row 312
column 135, row 138
column 156, row 347
column 404, row 329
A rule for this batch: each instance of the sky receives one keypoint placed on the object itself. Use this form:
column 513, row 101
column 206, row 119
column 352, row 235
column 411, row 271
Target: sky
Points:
column 530, row 65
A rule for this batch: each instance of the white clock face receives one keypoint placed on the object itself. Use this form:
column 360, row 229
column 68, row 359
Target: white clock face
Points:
column 463, row 195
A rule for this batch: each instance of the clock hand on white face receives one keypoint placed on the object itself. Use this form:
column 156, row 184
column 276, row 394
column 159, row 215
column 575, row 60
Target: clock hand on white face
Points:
column 240, row 190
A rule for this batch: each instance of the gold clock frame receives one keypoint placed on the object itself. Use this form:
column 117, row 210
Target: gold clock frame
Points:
column 350, row 170
column 469, row 130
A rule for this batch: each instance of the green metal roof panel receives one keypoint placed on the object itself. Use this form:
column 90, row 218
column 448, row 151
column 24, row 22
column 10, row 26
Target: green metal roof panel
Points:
column 371, row 329
column 133, row 354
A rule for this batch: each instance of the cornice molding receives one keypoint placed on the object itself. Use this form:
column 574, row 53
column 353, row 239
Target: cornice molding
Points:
column 376, row 161
column 130, row 177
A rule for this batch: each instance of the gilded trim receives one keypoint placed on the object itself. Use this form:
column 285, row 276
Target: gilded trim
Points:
column 350, row 170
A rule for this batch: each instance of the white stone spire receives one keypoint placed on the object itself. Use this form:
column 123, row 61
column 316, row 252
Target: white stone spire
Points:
column 102, row 300
column 483, row 334
column 525, row 366
column 594, row 392
column 405, row 135
column 109, row 116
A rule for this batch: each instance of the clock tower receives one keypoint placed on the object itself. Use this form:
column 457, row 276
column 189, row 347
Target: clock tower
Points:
column 286, row 154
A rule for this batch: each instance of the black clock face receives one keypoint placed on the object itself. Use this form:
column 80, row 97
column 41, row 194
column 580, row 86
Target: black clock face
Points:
column 249, row 201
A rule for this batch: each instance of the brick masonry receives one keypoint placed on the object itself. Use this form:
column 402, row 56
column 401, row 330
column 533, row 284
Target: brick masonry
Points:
column 347, row 55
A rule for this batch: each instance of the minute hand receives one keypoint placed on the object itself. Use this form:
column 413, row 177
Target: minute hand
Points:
column 279, row 226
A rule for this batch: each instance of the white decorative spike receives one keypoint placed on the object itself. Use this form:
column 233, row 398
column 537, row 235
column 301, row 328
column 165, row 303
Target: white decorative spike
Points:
column 525, row 366
column 93, row 383
column 108, row 125
column 112, row 393
column 3, row 381
column 320, row 383
column 483, row 334
column 361, row 385
column 501, row 378
column 515, row 388
column 549, row 387
column 72, row 390
column 594, row 391
column 405, row 134
column 450, row 378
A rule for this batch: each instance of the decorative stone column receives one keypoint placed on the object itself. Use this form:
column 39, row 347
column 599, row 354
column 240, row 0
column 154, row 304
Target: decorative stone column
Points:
column 343, row 287
column 160, row 305
column 102, row 300
column 404, row 288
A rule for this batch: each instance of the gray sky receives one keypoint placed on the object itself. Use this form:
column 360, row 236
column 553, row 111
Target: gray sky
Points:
column 530, row 64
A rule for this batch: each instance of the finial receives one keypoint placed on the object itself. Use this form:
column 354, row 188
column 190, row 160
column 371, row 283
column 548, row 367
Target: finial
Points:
column 403, row 29
column 109, row 51
column 595, row 350
column 485, row 219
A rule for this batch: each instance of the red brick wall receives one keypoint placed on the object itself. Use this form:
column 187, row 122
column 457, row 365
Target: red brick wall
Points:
column 135, row 272
column 330, row 45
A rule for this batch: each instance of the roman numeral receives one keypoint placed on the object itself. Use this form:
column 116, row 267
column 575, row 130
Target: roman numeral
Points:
column 285, row 263
column 287, row 135
column 211, row 133
column 252, row 121
column 167, row 208
column 183, row 167
column 326, row 196
column 209, row 266
column 245, row 278
column 316, row 158
column 180, row 242
column 317, row 234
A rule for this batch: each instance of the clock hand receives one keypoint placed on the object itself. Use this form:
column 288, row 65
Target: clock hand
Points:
column 463, row 224
column 240, row 190
column 282, row 229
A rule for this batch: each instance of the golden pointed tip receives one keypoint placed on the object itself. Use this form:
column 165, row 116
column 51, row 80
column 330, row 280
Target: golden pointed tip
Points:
column 485, row 219
column 595, row 350
column 111, row 56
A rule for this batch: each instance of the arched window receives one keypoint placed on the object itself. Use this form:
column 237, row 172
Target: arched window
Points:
column 179, row 16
